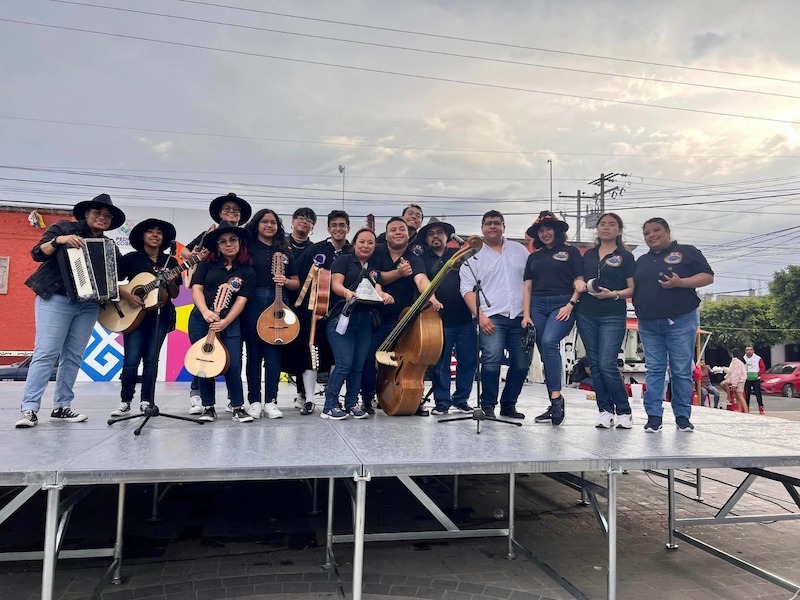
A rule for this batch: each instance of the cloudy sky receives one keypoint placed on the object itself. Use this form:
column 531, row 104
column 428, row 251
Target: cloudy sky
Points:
column 454, row 105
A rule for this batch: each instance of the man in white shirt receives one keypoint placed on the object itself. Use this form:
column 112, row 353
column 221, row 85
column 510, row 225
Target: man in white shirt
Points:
column 499, row 266
column 755, row 369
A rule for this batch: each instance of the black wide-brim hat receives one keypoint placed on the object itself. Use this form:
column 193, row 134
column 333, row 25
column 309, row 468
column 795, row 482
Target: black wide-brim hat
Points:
column 547, row 219
column 422, row 232
column 216, row 206
column 136, row 236
column 101, row 201
column 210, row 241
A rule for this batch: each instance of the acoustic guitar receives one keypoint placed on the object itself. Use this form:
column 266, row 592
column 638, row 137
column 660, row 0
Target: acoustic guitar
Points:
column 320, row 299
column 123, row 317
column 208, row 357
column 278, row 325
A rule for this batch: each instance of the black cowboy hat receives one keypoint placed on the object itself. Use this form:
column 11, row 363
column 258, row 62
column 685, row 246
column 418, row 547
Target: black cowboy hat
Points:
column 101, row 201
column 422, row 233
column 216, row 205
column 136, row 236
column 210, row 241
column 547, row 219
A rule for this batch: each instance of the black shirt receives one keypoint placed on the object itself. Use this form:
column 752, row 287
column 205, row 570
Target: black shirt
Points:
column 413, row 242
column 326, row 252
column 262, row 262
column 296, row 247
column 403, row 290
column 455, row 311
column 653, row 301
column 213, row 274
column 349, row 266
column 612, row 272
column 552, row 271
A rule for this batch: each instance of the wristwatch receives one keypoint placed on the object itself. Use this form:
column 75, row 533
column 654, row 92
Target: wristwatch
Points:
column 574, row 302
column 54, row 243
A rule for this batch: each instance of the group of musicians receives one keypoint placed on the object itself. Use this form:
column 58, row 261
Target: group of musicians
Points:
column 485, row 305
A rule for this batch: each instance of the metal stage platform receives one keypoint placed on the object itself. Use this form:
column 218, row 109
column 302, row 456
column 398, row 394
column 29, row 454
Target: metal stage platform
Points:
column 53, row 456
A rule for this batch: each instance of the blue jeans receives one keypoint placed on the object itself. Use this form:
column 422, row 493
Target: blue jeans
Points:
column 138, row 346
column 602, row 338
column 62, row 329
column 464, row 339
column 350, row 351
column 258, row 351
column 669, row 341
column 549, row 333
column 370, row 374
column 506, row 337
column 231, row 339
column 705, row 390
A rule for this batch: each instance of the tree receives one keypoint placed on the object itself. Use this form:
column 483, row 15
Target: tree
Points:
column 785, row 291
column 736, row 323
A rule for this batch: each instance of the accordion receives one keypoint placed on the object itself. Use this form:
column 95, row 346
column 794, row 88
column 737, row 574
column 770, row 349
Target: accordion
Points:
column 90, row 273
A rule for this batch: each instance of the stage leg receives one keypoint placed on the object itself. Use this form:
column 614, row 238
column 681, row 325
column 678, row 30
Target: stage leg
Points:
column 329, row 531
column 671, row 545
column 117, row 578
column 511, row 492
column 50, row 541
column 455, row 492
column 358, row 549
column 699, row 486
column 612, row 533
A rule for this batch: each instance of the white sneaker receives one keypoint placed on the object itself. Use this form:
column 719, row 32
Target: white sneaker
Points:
column 123, row 409
column 144, row 405
column 272, row 411
column 197, row 405
column 254, row 410
column 299, row 402
column 605, row 420
column 624, row 421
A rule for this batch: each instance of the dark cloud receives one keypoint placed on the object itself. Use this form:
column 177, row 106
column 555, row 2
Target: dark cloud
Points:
column 705, row 43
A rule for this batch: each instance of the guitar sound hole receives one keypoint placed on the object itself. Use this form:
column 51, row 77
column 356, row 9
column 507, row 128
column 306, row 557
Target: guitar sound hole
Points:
column 278, row 314
column 208, row 348
column 139, row 293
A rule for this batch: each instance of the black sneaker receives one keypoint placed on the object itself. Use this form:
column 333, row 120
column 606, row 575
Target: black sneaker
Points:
column 489, row 412
column 653, row 424
column 463, row 408
column 439, row 410
column 511, row 413
column 241, row 415
column 67, row 415
column 209, row 414
column 557, row 410
column 544, row 417
column 308, row 408
column 684, row 424
column 422, row 411
column 28, row 419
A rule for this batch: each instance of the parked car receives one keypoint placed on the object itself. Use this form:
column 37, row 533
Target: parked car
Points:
column 19, row 371
column 783, row 379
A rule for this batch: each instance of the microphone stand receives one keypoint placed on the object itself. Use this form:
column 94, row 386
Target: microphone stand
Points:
column 153, row 410
column 478, row 414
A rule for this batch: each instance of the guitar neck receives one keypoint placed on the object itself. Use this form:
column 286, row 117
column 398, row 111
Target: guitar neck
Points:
column 186, row 265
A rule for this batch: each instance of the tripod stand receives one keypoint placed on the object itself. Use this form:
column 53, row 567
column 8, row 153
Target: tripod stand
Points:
column 153, row 410
column 478, row 414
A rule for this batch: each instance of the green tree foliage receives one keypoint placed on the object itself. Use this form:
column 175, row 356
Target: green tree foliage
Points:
column 741, row 322
column 785, row 291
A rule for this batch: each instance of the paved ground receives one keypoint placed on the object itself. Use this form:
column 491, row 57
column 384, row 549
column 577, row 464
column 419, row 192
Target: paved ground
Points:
column 260, row 540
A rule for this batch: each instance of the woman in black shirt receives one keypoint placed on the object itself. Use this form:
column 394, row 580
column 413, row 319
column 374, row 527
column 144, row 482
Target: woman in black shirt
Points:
column 151, row 238
column 350, row 347
column 227, row 261
column 608, row 270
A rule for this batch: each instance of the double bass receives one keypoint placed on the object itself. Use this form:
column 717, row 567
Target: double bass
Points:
column 415, row 344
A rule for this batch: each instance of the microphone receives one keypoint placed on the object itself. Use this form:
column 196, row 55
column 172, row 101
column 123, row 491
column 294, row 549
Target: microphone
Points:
column 456, row 238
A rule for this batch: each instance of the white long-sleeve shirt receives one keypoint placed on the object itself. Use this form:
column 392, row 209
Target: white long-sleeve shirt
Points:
column 501, row 278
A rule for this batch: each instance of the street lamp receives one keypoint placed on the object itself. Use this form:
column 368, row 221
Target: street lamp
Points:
column 549, row 162
column 341, row 170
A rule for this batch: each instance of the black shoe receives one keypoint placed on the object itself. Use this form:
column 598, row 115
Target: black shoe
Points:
column 67, row 415
column 422, row 412
column 653, row 424
column 209, row 414
column 440, row 410
column 557, row 411
column 368, row 408
column 489, row 412
column 511, row 413
column 463, row 408
column 308, row 408
column 544, row 417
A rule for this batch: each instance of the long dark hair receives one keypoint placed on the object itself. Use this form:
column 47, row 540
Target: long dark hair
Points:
column 618, row 219
column 279, row 243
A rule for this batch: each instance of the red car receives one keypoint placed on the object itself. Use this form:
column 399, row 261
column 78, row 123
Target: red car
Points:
column 783, row 379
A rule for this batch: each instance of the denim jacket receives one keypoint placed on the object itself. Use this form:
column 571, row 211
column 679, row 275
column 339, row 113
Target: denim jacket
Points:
column 47, row 279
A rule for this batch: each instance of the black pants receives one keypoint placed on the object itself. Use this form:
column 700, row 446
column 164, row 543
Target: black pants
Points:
column 753, row 386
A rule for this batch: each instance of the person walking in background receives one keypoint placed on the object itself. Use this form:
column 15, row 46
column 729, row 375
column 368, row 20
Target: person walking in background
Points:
column 608, row 268
column 666, row 305
column 553, row 285
column 735, row 379
column 755, row 369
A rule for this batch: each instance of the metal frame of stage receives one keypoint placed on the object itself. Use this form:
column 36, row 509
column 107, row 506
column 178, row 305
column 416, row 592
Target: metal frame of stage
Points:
column 54, row 456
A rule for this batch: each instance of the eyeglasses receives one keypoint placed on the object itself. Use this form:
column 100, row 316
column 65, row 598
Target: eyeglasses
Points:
column 273, row 223
column 436, row 232
column 493, row 223
column 303, row 219
column 231, row 209
column 101, row 213
column 226, row 241
column 338, row 226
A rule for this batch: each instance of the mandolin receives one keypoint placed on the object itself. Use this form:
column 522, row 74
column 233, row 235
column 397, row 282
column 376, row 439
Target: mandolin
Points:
column 278, row 325
column 208, row 357
column 123, row 317
column 415, row 344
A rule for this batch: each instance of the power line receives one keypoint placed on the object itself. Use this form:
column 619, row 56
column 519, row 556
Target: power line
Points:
column 494, row 86
column 424, row 51
column 490, row 43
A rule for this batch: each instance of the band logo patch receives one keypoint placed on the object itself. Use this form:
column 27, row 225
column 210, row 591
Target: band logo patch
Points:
column 674, row 258
column 562, row 256
column 417, row 250
column 614, row 261
column 373, row 276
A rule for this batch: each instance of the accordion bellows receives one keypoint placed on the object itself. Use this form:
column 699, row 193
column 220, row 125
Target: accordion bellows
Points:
column 90, row 273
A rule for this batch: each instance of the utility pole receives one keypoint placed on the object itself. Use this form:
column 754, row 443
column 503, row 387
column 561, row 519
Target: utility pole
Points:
column 577, row 197
column 601, row 181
